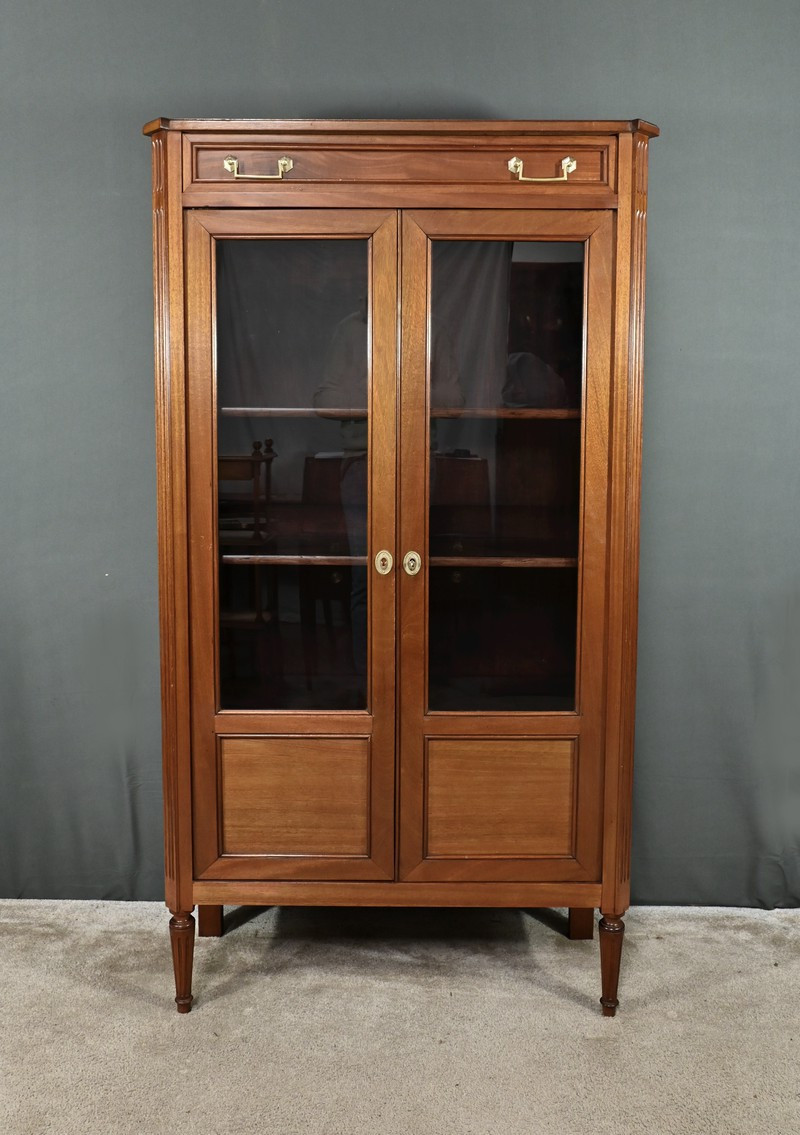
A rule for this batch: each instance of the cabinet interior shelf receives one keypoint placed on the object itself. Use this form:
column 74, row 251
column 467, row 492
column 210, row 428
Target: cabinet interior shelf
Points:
column 437, row 412
column 435, row 561
column 292, row 412
column 504, row 561
column 502, row 412
column 295, row 561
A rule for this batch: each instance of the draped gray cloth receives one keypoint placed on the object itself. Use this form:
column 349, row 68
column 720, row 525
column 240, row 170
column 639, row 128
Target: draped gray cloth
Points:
column 717, row 799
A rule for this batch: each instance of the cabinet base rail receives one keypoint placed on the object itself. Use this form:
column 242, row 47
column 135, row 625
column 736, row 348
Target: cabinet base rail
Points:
column 396, row 894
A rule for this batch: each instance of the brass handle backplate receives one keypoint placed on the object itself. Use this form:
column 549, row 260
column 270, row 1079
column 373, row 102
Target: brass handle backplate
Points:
column 412, row 562
column 568, row 166
column 383, row 563
column 232, row 166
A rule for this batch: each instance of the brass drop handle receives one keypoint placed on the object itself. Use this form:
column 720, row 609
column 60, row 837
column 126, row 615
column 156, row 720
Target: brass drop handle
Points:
column 232, row 166
column 412, row 562
column 568, row 166
column 383, row 563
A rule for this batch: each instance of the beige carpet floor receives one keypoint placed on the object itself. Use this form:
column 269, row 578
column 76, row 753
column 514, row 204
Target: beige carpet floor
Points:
column 397, row 1023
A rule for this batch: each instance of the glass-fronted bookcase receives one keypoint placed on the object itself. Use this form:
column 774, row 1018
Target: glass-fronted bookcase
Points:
column 398, row 371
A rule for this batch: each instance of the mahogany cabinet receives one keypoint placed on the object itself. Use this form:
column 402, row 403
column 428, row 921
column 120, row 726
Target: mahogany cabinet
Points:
column 398, row 380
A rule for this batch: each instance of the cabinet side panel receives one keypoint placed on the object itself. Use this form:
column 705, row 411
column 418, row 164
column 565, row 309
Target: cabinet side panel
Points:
column 624, row 535
column 171, row 488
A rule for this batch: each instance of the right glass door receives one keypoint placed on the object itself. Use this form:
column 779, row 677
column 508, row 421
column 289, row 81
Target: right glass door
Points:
column 505, row 386
column 506, row 383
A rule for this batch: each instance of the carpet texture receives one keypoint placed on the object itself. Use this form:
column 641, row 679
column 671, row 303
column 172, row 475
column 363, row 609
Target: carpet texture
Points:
column 341, row 1022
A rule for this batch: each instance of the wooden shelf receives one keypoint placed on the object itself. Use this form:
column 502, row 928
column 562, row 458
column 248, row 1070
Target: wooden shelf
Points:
column 435, row 561
column 501, row 412
column 504, row 561
column 246, row 620
column 296, row 561
column 292, row 412
column 337, row 412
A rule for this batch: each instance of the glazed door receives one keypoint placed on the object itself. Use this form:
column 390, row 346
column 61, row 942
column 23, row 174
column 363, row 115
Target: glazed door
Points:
column 291, row 357
column 506, row 369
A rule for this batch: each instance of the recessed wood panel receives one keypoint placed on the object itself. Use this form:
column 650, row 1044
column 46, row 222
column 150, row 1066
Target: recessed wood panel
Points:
column 294, row 795
column 500, row 797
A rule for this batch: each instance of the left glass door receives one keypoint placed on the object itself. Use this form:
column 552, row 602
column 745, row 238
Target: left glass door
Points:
column 292, row 361
column 291, row 418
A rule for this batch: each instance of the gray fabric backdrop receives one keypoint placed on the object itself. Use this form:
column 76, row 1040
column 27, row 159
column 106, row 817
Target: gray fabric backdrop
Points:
column 717, row 793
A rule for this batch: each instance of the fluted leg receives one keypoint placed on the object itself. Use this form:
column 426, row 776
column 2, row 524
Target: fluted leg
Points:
column 209, row 921
column 181, row 936
column 612, row 931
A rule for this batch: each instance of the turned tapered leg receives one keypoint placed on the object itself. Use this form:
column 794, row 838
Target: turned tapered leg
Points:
column 181, row 936
column 209, row 921
column 612, row 931
column 581, row 923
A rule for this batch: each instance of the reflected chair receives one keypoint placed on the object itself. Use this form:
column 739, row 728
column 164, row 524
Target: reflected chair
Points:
column 248, row 597
column 325, row 535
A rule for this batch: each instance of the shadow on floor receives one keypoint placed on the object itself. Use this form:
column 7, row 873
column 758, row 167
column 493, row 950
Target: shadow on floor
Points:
column 395, row 923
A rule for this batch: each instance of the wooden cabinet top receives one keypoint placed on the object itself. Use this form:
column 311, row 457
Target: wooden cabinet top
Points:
column 395, row 126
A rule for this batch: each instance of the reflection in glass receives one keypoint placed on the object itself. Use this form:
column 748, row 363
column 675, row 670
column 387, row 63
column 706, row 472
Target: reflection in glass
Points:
column 510, row 314
column 506, row 367
column 502, row 638
column 292, row 378
column 507, row 487
column 287, row 637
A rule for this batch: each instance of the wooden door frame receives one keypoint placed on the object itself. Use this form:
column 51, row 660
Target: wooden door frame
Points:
column 595, row 228
column 208, row 722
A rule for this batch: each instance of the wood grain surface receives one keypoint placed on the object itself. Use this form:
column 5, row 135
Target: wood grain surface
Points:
column 294, row 795
column 504, row 797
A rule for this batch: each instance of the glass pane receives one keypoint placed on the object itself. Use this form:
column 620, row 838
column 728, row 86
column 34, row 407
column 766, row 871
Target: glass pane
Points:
column 506, row 367
column 502, row 638
column 292, row 379
column 288, row 635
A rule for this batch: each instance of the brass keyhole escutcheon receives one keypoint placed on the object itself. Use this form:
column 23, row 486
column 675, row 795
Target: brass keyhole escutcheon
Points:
column 412, row 562
column 383, row 563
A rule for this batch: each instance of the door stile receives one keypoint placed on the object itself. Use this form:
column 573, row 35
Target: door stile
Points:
column 382, row 499
column 414, row 474
column 592, row 602
column 200, row 414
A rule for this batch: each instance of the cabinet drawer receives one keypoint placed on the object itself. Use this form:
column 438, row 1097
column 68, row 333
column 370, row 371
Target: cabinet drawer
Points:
column 464, row 163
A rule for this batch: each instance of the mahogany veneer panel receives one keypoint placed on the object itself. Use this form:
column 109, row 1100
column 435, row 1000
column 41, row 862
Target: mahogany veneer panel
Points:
column 500, row 797
column 370, row 163
column 294, row 795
